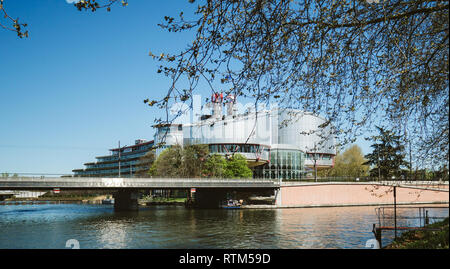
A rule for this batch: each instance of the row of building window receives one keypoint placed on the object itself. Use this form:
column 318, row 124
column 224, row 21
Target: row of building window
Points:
column 106, row 172
column 123, row 157
column 279, row 174
column 127, row 150
column 115, row 164
column 319, row 156
column 230, row 148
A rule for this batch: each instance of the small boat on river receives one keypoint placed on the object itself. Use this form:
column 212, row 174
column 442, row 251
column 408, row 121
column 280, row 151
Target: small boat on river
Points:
column 232, row 204
column 107, row 201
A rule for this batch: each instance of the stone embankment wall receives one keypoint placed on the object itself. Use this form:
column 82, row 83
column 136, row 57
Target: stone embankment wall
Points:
column 352, row 194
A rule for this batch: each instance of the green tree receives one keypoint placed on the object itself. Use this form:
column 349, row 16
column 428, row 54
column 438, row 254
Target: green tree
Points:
column 193, row 160
column 168, row 163
column 177, row 161
column 214, row 166
column 349, row 164
column 236, row 167
column 387, row 157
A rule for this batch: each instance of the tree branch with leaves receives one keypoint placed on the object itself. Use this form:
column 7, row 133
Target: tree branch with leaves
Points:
column 9, row 23
column 351, row 61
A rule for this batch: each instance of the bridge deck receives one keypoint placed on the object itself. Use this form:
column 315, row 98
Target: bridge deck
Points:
column 27, row 183
column 131, row 183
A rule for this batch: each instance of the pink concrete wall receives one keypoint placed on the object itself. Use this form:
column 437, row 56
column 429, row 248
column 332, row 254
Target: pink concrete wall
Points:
column 355, row 194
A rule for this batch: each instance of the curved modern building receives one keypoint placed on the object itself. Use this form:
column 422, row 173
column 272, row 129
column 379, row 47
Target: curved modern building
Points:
column 278, row 143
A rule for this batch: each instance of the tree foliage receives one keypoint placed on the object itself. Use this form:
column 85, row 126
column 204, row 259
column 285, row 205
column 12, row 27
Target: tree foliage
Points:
column 387, row 157
column 350, row 163
column 168, row 163
column 214, row 166
column 14, row 25
column 93, row 5
column 9, row 23
column 177, row 161
column 194, row 161
column 236, row 167
column 355, row 62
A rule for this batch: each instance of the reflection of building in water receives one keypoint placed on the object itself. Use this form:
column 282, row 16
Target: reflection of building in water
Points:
column 278, row 143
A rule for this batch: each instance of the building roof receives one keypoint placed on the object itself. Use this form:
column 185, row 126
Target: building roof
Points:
column 133, row 146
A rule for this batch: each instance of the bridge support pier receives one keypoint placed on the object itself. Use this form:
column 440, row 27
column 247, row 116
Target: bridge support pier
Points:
column 209, row 198
column 277, row 193
column 126, row 200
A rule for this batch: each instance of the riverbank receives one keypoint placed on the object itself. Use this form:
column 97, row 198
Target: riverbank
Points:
column 64, row 199
column 162, row 201
column 418, row 239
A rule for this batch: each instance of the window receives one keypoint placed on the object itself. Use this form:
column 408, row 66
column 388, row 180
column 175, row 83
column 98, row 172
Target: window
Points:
column 163, row 130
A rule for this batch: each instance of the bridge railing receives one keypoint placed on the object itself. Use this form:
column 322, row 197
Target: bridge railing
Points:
column 97, row 182
column 136, row 179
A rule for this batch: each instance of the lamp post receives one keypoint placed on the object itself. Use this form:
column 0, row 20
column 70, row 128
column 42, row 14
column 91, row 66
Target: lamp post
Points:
column 315, row 167
column 379, row 172
column 395, row 209
column 119, row 158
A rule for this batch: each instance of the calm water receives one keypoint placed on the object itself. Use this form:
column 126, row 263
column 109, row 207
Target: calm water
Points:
column 98, row 226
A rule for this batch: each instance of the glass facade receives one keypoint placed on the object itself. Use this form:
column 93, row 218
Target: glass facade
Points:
column 286, row 164
column 275, row 142
column 238, row 148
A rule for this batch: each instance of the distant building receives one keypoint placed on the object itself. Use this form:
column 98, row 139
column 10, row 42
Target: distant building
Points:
column 278, row 143
column 129, row 161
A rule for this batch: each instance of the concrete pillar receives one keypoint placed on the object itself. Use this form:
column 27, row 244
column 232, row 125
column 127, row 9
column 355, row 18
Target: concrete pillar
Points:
column 126, row 200
column 278, row 197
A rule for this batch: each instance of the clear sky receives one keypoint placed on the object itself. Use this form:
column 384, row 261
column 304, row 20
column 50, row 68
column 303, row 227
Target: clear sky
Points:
column 76, row 86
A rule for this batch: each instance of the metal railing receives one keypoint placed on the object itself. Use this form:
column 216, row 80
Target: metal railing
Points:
column 403, row 218
column 107, row 183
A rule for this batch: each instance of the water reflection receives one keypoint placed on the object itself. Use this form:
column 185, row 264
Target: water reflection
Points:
column 98, row 226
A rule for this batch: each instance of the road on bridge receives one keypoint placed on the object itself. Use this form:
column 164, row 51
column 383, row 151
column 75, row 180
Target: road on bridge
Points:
column 85, row 183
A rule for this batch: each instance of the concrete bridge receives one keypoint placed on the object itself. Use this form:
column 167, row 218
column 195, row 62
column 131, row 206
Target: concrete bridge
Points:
column 209, row 191
column 98, row 183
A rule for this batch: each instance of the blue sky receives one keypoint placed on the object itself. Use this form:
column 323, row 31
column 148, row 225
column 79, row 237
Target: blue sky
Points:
column 76, row 86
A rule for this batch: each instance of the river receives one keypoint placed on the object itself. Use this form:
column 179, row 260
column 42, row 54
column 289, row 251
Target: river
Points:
column 49, row 226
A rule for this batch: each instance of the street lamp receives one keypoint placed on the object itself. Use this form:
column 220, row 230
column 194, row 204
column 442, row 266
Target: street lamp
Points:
column 395, row 208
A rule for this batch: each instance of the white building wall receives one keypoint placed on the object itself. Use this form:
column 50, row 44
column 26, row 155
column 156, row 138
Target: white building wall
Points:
column 169, row 135
column 230, row 130
column 302, row 129
column 286, row 128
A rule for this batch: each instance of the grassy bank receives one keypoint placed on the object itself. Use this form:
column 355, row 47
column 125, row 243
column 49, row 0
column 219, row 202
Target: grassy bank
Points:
column 163, row 201
column 62, row 198
column 424, row 239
